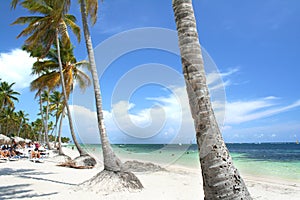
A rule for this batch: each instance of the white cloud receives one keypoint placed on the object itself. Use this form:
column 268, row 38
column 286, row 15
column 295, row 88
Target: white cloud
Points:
column 215, row 79
column 171, row 121
column 169, row 118
column 15, row 66
column 245, row 111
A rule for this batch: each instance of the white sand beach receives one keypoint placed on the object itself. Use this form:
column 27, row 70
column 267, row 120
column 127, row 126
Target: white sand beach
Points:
column 24, row 179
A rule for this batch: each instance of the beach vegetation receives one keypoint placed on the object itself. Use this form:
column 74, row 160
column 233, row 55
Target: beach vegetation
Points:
column 50, row 25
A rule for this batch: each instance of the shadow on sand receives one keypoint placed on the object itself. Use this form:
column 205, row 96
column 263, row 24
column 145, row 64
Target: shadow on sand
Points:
column 18, row 191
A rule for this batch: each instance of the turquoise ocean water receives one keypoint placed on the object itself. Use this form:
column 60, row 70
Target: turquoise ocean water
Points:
column 276, row 160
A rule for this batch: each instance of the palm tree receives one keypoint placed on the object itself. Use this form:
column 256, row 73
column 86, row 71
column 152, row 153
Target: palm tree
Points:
column 221, row 180
column 7, row 95
column 37, row 127
column 9, row 119
column 112, row 164
column 22, row 116
column 56, row 105
column 49, row 28
column 45, row 98
column 71, row 73
column 111, row 161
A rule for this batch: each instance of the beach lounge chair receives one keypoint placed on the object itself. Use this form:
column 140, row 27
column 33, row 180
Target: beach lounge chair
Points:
column 43, row 152
column 37, row 160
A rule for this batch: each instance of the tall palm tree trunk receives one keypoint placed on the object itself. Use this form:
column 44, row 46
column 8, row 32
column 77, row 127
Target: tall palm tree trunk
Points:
column 60, row 152
column 221, row 180
column 111, row 161
column 46, row 124
column 42, row 115
column 80, row 150
column 20, row 127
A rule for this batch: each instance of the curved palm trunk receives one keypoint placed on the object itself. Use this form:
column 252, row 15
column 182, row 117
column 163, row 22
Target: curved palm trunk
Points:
column 111, row 161
column 42, row 115
column 55, row 128
column 20, row 126
column 60, row 152
column 46, row 124
column 221, row 180
column 81, row 151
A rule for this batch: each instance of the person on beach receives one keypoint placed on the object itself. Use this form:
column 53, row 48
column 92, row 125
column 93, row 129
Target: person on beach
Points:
column 35, row 153
column 4, row 152
column 13, row 148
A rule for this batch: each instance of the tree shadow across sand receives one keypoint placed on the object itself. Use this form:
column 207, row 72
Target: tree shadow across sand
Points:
column 16, row 172
column 29, row 174
column 19, row 191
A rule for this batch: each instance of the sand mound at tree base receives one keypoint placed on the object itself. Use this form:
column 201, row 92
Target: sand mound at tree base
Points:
column 107, row 182
column 61, row 159
column 81, row 162
column 137, row 166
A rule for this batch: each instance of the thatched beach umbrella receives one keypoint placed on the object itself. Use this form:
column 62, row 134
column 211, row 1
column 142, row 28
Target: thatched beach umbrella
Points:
column 4, row 139
column 27, row 140
column 18, row 139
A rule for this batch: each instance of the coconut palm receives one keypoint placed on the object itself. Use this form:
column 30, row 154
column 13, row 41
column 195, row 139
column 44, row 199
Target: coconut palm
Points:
column 37, row 127
column 112, row 164
column 9, row 120
column 45, row 97
column 111, row 161
column 7, row 95
column 49, row 28
column 221, row 180
column 56, row 105
column 22, row 117
column 71, row 72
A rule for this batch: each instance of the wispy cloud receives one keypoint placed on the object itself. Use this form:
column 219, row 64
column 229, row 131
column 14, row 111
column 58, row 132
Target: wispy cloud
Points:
column 215, row 79
column 15, row 66
column 168, row 118
column 245, row 111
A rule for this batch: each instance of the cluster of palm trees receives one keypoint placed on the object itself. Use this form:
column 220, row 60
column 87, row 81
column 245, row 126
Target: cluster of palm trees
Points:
column 48, row 40
column 56, row 67
column 17, row 123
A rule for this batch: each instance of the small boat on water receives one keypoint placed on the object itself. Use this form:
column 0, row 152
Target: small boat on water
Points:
column 297, row 141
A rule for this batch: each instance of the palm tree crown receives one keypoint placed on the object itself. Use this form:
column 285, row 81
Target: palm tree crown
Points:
column 42, row 28
column 7, row 95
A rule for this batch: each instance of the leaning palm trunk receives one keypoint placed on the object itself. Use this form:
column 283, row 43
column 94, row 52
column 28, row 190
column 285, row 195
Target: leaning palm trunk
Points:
column 80, row 150
column 42, row 117
column 20, row 127
column 60, row 152
column 46, row 125
column 221, row 180
column 111, row 161
column 113, row 173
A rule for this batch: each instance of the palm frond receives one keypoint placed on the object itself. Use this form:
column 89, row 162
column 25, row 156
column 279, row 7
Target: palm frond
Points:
column 92, row 10
column 71, row 23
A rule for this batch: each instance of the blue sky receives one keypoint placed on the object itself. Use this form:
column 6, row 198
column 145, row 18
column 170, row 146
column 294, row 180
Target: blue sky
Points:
column 255, row 46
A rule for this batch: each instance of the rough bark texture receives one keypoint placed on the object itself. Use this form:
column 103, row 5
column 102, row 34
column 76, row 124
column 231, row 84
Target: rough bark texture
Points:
column 80, row 150
column 113, row 177
column 221, row 180
column 60, row 152
column 46, row 124
column 111, row 161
